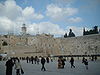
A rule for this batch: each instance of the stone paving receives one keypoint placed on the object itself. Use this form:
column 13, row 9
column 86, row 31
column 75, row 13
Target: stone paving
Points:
column 34, row 69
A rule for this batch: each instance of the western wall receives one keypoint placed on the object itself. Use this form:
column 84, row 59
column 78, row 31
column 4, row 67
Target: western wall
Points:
column 47, row 45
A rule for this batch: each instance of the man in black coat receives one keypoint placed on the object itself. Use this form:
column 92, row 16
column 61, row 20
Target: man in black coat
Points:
column 72, row 62
column 9, row 66
column 43, row 63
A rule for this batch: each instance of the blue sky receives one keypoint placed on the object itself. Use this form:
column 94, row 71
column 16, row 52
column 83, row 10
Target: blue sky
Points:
column 48, row 16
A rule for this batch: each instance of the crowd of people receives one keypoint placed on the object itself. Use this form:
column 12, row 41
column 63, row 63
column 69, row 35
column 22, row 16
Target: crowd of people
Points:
column 15, row 62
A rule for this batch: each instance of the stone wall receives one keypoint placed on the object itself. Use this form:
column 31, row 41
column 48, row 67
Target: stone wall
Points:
column 45, row 45
column 89, row 44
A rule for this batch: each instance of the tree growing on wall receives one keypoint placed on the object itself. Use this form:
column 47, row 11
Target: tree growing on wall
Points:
column 92, row 31
column 65, row 36
column 4, row 43
column 71, row 34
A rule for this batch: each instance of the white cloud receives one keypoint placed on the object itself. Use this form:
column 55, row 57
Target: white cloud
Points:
column 38, row 16
column 50, row 28
column 12, row 15
column 13, row 11
column 29, row 13
column 45, row 27
column 10, row 9
column 5, row 24
column 56, row 12
column 73, row 20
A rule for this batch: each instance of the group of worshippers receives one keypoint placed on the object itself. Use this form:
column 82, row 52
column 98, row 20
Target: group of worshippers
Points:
column 36, row 59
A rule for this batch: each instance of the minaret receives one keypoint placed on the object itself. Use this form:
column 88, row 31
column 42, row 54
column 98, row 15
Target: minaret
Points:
column 24, row 29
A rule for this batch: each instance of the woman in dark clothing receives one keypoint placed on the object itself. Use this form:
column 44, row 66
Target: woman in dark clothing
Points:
column 9, row 66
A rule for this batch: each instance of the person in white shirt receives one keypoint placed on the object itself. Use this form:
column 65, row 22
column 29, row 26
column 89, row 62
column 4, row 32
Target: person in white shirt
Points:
column 17, row 66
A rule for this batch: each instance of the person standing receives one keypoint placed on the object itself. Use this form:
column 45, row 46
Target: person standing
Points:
column 86, row 63
column 32, row 59
column 27, row 59
column 17, row 66
column 9, row 66
column 60, row 63
column 35, row 59
column 72, row 62
column 43, row 63
column 47, row 59
column 63, row 62
column 83, row 60
column 38, row 60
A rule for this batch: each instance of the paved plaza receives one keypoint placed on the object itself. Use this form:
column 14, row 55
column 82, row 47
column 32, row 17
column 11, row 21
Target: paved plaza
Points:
column 34, row 69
